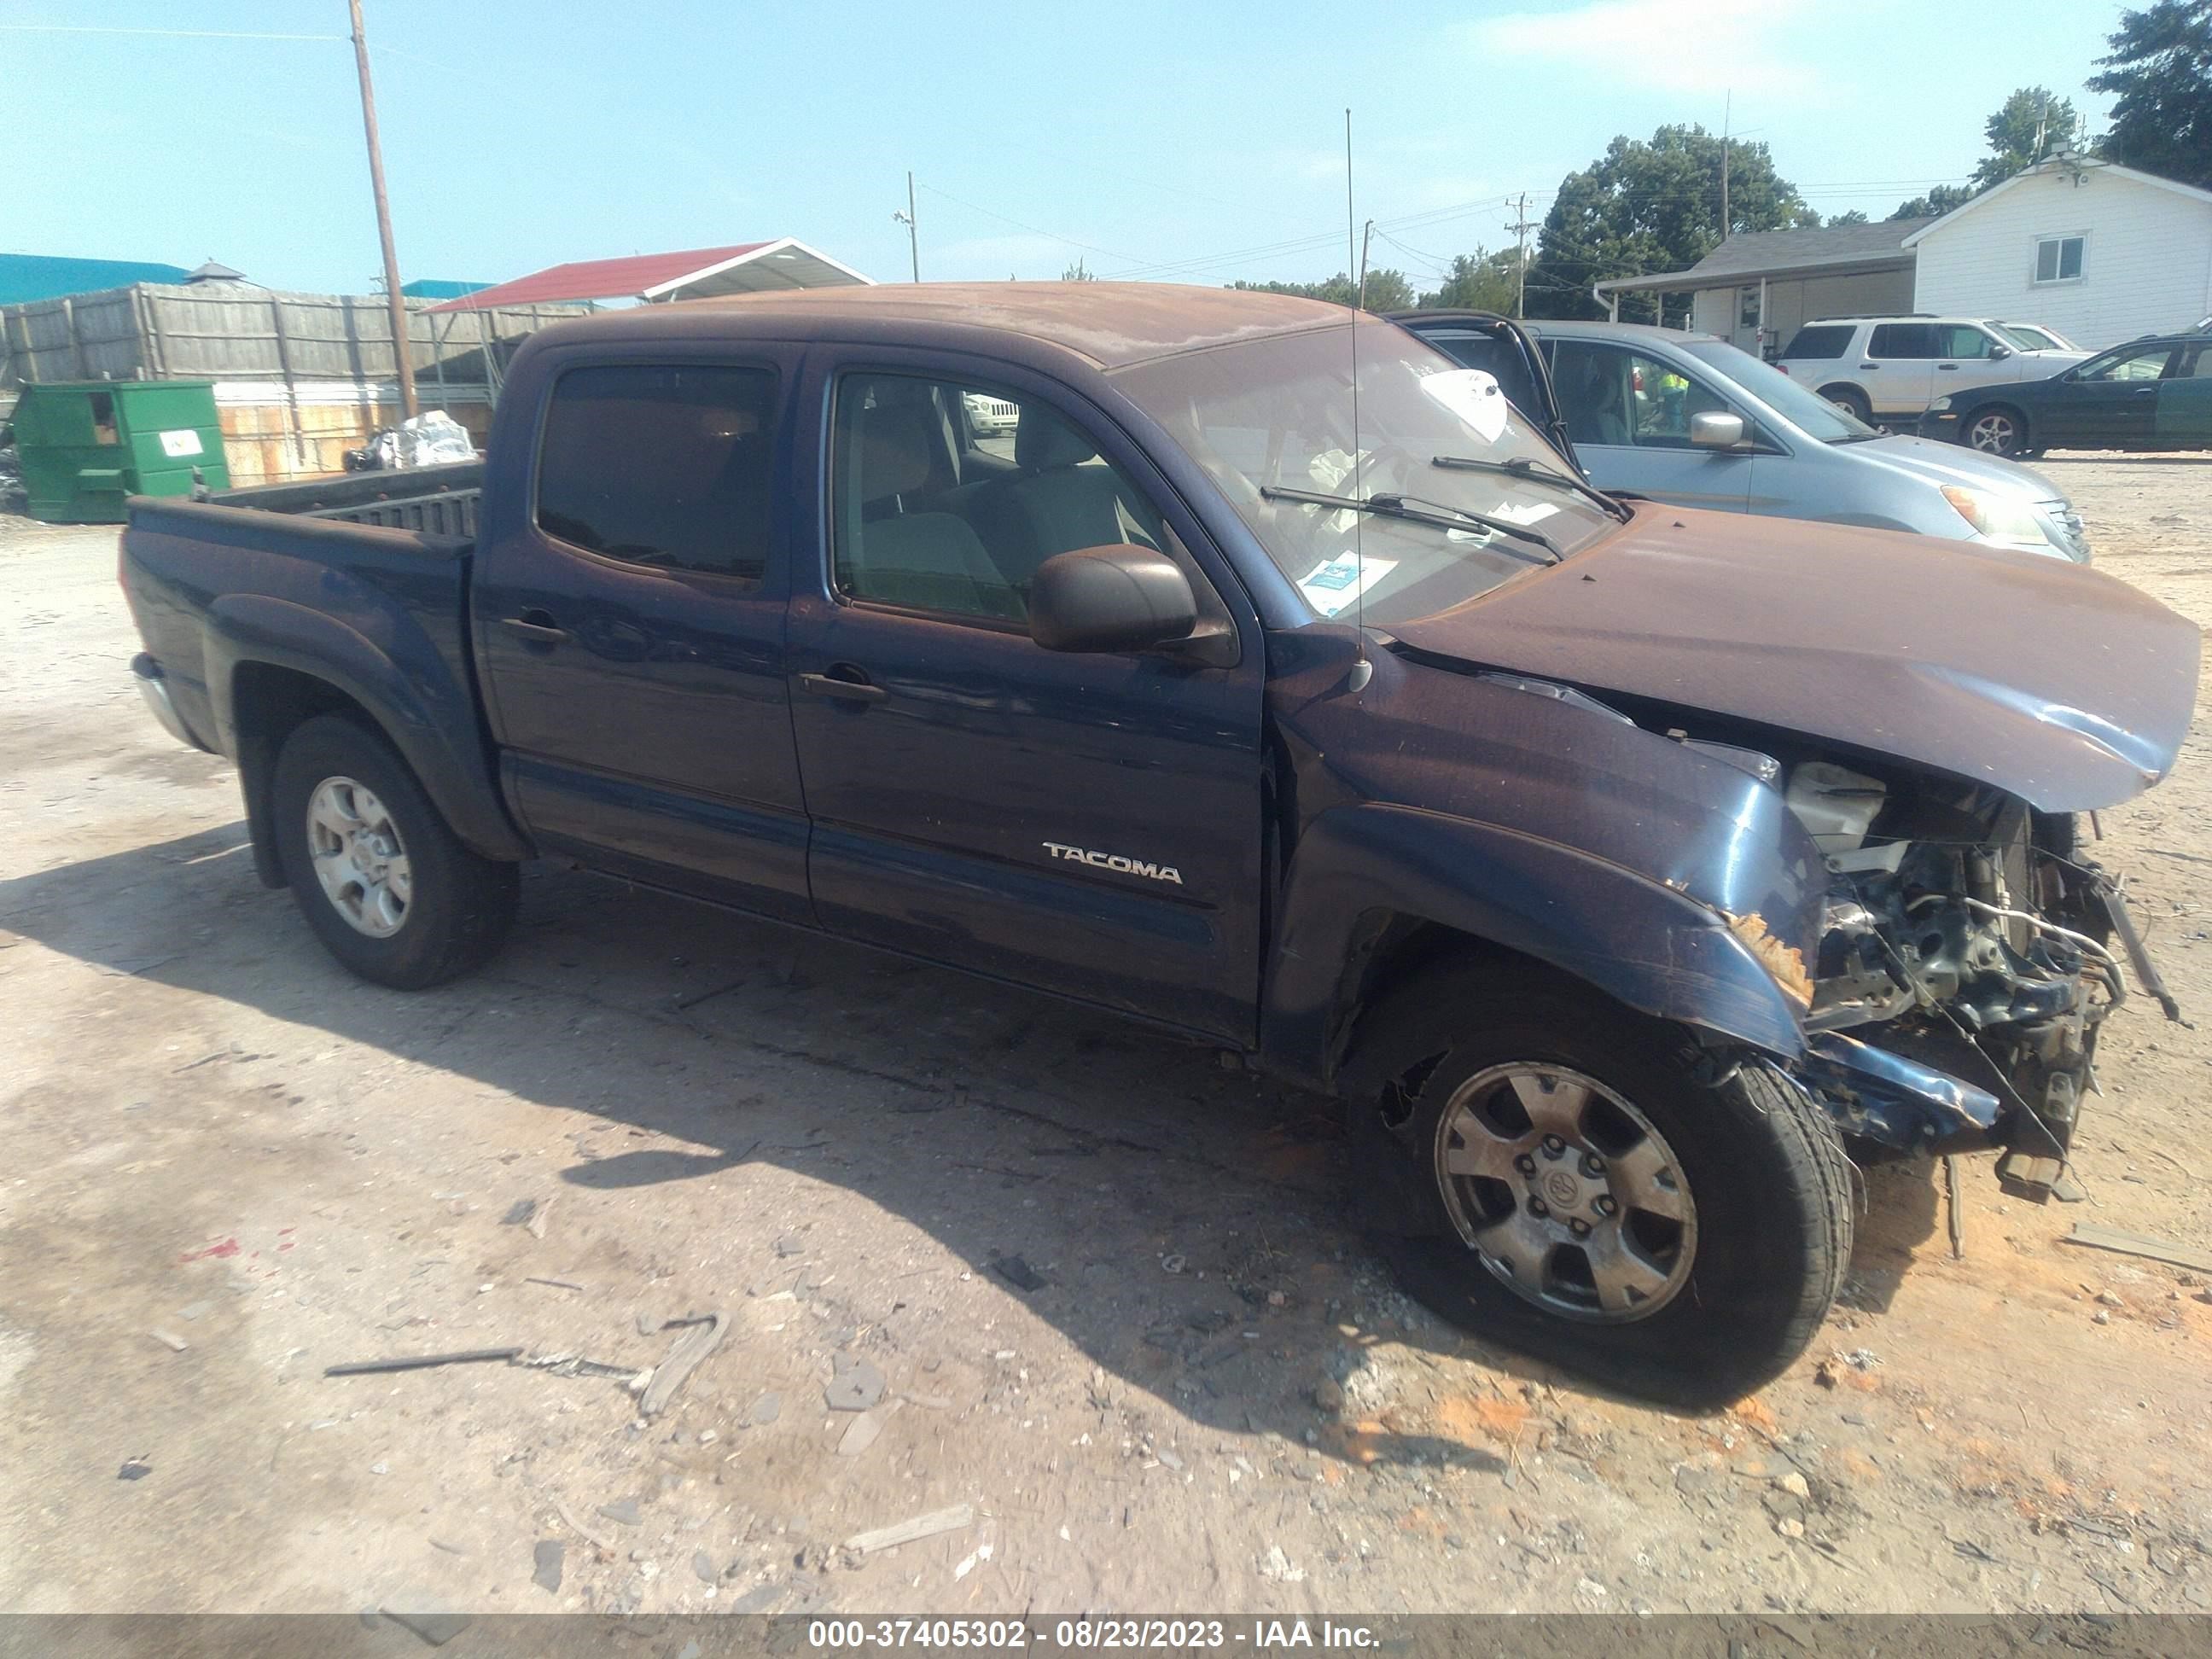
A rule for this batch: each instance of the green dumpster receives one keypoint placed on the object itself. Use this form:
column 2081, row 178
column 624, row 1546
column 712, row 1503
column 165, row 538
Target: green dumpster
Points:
column 84, row 445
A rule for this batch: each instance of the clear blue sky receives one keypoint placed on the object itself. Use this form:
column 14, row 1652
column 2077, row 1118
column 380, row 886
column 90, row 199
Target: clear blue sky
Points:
column 1196, row 141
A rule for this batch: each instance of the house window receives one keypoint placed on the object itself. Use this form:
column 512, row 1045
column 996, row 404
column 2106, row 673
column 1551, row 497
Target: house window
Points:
column 1747, row 308
column 2058, row 259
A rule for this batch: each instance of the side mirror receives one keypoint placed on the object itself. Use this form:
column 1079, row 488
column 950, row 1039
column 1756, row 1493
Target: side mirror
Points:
column 1998, row 353
column 1110, row 598
column 1711, row 428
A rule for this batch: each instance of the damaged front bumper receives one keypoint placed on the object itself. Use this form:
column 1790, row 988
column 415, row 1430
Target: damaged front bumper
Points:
column 1936, row 1083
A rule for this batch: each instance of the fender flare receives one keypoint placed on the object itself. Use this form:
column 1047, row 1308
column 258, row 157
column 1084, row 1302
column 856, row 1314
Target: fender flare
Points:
column 430, row 719
column 1643, row 944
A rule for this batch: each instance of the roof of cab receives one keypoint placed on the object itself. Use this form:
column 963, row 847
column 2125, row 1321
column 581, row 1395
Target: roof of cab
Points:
column 1111, row 324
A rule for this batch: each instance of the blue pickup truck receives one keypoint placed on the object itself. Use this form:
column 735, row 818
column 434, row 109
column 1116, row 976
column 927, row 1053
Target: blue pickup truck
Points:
column 1621, row 867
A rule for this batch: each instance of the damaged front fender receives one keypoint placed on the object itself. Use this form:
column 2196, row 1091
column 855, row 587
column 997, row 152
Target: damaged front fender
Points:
column 1895, row 1102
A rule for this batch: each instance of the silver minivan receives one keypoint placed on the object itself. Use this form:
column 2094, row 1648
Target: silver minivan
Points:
column 1689, row 419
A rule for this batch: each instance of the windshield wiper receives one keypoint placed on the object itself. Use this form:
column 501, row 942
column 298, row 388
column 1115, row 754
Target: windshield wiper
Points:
column 1521, row 467
column 1415, row 510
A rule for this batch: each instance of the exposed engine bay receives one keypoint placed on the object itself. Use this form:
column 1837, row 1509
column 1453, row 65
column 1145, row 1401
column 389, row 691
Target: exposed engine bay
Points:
column 1964, row 968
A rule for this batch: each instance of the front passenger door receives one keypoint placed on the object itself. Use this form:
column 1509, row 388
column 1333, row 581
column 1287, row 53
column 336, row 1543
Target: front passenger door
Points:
column 957, row 773
column 2113, row 402
column 1628, row 414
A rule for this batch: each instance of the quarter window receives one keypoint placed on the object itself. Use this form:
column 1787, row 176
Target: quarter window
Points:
column 664, row 465
column 2058, row 259
column 1820, row 340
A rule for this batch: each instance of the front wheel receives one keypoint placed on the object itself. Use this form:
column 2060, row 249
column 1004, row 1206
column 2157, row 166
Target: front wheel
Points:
column 1588, row 1185
column 1853, row 401
column 1996, row 432
column 386, row 885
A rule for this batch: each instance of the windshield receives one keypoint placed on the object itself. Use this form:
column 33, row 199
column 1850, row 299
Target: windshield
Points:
column 1795, row 402
column 1275, row 414
column 2028, row 338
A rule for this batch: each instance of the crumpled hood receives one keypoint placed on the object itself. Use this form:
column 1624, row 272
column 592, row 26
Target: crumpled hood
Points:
column 2058, row 684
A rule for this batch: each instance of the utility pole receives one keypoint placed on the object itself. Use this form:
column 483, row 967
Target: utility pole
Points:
column 1727, row 110
column 913, row 234
column 401, row 351
column 1520, row 229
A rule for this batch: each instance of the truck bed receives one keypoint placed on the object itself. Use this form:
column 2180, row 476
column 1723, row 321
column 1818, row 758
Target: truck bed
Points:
column 439, row 500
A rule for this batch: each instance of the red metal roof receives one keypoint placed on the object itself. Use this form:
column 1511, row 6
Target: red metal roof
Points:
column 599, row 279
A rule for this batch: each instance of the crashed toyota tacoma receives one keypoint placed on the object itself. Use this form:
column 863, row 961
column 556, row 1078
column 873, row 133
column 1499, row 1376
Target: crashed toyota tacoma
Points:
column 1628, row 872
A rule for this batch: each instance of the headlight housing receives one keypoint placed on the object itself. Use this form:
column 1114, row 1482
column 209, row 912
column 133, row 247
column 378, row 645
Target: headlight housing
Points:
column 2005, row 520
column 1941, row 403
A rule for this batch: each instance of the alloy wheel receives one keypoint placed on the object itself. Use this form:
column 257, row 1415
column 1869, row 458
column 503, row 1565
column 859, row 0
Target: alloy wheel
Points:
column 1567, row 1193
column 358, row 858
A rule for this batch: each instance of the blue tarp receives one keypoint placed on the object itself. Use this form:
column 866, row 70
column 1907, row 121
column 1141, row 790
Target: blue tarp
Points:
column 44, row 277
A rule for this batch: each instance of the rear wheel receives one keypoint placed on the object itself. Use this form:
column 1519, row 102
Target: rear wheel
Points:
column 1582, row 1184
column 1995, row 431
column 387, row 887
column 1853, row 401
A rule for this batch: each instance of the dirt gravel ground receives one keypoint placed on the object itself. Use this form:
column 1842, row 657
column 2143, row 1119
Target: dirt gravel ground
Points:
column 1107, row 1288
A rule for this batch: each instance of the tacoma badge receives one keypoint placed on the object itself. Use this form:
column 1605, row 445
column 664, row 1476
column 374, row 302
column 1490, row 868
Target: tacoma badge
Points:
column 1117, row 862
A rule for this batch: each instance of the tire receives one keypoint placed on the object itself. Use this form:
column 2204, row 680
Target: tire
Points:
column 1996, row 429
column 1753, row 1258
column 1851, row 400
column 415, row 907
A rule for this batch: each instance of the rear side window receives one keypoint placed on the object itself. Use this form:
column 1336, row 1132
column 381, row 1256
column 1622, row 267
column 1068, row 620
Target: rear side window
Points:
column 1903, row 340
column 1821, row 340
column 662, row 465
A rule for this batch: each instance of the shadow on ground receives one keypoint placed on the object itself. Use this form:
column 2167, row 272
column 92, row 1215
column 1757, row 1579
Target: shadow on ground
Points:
column 1022, row 1133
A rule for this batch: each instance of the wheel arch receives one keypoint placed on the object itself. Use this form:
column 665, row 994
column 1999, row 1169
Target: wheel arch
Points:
column 272, row 665
column 1374, row 894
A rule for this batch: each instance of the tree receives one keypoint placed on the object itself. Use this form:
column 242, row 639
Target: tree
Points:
column 1854, row 218
column 1387, row 290
column 2160, row 75
column 1645, row 208
column 2031, row 126
column 1935, row 204
column 1479, row 281
column 1078, row 272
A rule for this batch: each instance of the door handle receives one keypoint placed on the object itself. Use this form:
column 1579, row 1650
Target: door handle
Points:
column 1948, row 368
column 848, row 690
column 2146, row 392
column 1869, row 366
column 535, row 624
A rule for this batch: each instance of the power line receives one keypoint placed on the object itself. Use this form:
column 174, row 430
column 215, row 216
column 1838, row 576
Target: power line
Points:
column 1034, row 230
column 168, row 34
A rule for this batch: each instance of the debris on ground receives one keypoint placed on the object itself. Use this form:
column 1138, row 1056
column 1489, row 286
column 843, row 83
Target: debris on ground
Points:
column 536, row 1225
column 518, row 1212
column 435, row 1628
column 169, row 1340
column 856, row 1384
column 626, row 1511
column 690, row 1349
column 861, row 1433
column 547, row 1558
column 955, row 1519
column 423, row 1361
column 133, row 1468
column 557, row 1283
column 766, row 1409
column 2138, row 1244
column 1018, row 1272
column 968, row 1563
column 1275, row 1567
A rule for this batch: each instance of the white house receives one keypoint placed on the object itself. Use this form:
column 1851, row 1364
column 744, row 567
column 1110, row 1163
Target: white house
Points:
column 2099, row 252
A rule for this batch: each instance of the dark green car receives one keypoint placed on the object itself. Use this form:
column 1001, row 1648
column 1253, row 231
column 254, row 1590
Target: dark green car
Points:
column 2151, row 393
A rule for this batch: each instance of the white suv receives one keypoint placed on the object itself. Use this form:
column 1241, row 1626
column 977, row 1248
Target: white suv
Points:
column 1890, row 368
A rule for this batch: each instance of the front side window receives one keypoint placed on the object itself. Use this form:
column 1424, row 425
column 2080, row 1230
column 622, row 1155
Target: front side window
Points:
column 1624, row 398
column 2058, row 259
column 1961, row 341
column 949, row 497
column 662, row 465
column 2129, row 363
column 1905, row 340
column 2028, row 338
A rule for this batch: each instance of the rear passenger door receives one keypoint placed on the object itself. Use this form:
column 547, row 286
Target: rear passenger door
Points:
column 2184, row 401
column 2113, row 401
column 630, row 624
column 1898, row 370
column 957, row 773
